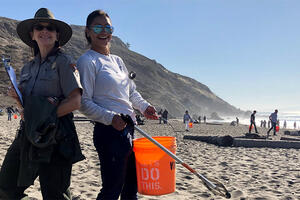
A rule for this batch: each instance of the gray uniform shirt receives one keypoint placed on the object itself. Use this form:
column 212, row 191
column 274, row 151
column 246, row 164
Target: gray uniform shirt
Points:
column 56, row 76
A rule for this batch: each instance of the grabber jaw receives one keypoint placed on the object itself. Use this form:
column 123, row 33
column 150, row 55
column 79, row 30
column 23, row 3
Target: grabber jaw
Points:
column 4, row 61
column 228, row 195
column 216, row 187
column 219, row 188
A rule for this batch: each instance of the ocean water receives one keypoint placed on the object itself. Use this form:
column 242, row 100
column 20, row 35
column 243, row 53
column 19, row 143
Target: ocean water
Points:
column 289, row 117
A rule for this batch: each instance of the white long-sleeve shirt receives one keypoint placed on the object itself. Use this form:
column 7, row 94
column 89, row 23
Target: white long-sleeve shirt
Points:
column 107, row 90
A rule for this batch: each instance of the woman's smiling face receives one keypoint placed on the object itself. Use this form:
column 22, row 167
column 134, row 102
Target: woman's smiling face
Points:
column 101, row 40
column 44, row 37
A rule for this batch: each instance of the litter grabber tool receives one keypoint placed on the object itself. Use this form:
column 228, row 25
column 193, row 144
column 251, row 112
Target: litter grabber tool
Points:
column 213, row 185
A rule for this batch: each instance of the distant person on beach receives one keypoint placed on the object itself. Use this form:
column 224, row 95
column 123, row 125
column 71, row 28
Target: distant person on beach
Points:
column 165, row 116
column 237, row 121
column 9, row 111
column 204, row 119
column 284, row 124
column 269, row 123
column 265, row 123
column 160, row 115
column 46, row 144
column 186, row 120
column 17, row 111
column 199, row 119
column 295, row 125
column 108, row 94
column 252, row 122
column 273, row 119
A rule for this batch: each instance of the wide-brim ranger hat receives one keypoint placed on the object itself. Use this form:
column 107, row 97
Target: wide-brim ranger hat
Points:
column 43, row 15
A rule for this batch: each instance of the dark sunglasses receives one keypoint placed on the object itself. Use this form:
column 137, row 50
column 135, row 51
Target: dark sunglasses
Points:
column 99, row 28
column 40, row 27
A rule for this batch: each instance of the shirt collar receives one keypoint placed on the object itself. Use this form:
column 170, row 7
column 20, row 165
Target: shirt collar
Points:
column 50, row 58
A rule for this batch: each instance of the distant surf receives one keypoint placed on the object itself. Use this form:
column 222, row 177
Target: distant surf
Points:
column 290, row 118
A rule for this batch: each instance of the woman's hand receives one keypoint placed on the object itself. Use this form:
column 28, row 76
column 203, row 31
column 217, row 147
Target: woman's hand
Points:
column 150, row 113
column 69, row 104
column 118, row 123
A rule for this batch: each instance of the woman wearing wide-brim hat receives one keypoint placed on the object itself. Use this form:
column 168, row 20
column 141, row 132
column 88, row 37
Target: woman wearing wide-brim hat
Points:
column 46, row 144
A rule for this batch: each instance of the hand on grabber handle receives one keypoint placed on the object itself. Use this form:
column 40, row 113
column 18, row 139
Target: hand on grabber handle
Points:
column 150, row 113
column 118, row 123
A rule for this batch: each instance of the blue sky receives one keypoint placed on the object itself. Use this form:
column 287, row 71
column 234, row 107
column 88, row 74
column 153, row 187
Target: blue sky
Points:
column 246, row 51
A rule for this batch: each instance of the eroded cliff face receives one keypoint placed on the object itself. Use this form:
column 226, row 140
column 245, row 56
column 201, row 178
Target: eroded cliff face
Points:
column 162, row 88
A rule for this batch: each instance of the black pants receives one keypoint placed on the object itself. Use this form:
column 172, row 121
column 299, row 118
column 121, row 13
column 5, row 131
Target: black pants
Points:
column 54, row 176
column 250, row 127
column 273, row 127
column 117, row 162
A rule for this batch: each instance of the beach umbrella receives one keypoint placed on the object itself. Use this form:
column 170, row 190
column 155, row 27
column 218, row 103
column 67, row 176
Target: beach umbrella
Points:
column 213, row 185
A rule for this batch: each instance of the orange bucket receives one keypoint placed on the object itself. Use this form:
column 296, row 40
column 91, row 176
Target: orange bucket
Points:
column 155, row 169
column 277, row 128
column 191, row 124
column 15, row 116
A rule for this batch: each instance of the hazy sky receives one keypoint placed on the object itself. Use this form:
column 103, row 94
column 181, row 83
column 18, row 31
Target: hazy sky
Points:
column 246, row 51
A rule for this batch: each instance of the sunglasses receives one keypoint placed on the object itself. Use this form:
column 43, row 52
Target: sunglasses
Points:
column 40, row 27
column 99, row 28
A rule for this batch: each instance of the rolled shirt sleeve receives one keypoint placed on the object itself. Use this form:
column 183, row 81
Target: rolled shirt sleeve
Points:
column 69, row 75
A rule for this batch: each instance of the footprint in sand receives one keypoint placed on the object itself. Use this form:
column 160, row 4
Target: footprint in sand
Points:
column 236, row 194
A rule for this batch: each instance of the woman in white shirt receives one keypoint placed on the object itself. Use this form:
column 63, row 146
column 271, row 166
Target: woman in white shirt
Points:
column 108, row 93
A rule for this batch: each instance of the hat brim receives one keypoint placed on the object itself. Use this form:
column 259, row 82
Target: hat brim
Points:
column 25, row 27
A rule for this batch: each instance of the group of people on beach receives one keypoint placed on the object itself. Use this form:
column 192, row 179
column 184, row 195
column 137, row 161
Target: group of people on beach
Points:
column 272, row 118
column 187, row 119
column 10, row 110
column 263, row 123
column 52, row 86
column 163, row 116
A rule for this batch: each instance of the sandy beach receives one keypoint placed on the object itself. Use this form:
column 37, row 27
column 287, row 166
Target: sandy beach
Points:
column 248, row 173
